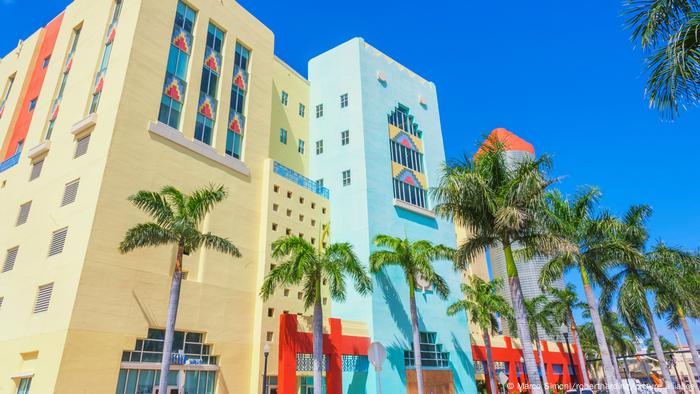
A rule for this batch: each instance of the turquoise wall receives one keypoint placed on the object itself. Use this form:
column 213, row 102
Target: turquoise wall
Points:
column 365, row 208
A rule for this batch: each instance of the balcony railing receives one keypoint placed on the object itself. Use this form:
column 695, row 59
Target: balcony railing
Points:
column 300, row 180
column 10, row 162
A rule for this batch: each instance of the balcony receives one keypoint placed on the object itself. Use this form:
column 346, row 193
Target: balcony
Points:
column 10, row 162
column 300, row 180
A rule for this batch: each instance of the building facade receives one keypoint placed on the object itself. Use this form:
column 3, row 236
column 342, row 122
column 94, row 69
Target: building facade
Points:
column 116, row 96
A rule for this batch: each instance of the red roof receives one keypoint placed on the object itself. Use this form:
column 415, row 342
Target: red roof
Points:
column 510, row 141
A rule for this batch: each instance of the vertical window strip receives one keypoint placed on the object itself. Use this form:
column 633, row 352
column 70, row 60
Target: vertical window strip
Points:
column 239, row 91
column 36, row 169
column 23, row 213
column 174, row 86
column 43, row 298
column 106, row 53
column 56, row 104
column 10, row 259
column 6, row 93
column 211, row 69
column 58, row 240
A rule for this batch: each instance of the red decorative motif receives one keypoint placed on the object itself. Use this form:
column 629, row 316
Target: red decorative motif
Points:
column 206, row 109
column 173, row 91
column 239, row 82
column 99, row 85
column 54, row 114
column 111, row 35
column 180, row 42
column 408, row 179
column 212, row 63
column 235, row 125
column 69, row 65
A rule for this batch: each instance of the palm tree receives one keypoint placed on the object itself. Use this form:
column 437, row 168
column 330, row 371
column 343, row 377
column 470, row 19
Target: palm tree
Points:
column 666, row 345
column 177, row 219
column 636, row 279
column 416, row 261
column 501, row 203
column 681, row 271
column 305, row 265
column 482, row 302
column 620, row 338
column 589, row 346
column 541, row 314
column 669, row 30
column 565, row 302
column 596, row 249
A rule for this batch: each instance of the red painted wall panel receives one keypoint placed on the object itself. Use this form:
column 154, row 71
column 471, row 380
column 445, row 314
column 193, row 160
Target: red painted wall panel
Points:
column 24, row 116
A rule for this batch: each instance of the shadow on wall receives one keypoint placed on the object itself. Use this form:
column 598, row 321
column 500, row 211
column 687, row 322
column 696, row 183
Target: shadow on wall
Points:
column 464, row 359
column 393, row 301
column 358, row 384
column 395, row 353
column 416, row 218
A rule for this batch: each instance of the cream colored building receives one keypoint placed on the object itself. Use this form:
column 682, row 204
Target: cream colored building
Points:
column 76, row 316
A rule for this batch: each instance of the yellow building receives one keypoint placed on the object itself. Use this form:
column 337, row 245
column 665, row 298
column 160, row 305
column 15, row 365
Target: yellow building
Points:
column 104, row 101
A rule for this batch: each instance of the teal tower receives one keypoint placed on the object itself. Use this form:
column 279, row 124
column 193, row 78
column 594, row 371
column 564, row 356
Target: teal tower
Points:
column 377, row 146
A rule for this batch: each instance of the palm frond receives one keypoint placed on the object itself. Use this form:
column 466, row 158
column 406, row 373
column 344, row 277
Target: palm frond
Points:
column 220, row 244
column 201, row 201
column 154, row 204
column 145, row 235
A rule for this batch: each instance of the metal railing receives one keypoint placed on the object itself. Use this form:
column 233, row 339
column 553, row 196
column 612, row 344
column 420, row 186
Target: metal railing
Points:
column 10, row 162
column 300, row 180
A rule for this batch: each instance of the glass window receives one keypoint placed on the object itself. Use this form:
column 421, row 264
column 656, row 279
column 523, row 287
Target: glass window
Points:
column 343, row 100
column 345, row 137
column 302, row 110
column 283, row 136
column 346, row 178
column 557, row 369
column 284, row 98
column 23, row 386
column 106, row 53
column 32, row 105
column 319, row 147
column 211, row 69
column 432, row 354
column 300, row 147
column 239, row 89
column 319, row 110
column 58, row 96
column 46, row 61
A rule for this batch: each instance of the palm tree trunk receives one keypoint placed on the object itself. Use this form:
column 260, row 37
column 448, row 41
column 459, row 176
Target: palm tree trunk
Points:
column 581, row 357
column 616, row 365
column 659, row 352
column 318, row 344
column 689, row 339
column 489, row 363
column 416, row 336
column 543, row 370
column 521, row 320
column 173, row 303
column 608, row 371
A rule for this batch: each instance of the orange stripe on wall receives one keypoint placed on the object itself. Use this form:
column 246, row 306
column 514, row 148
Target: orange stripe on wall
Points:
column 22, row 114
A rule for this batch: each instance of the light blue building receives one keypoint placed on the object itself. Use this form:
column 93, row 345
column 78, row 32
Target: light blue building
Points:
column 381, row 150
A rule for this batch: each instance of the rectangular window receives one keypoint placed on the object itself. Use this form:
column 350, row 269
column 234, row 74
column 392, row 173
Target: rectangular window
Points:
column 36, row 169
column 319, row 147
column 6, row 93
column 32, row 105
column 106, row 52
column 319, row 182
column 43, row 298
column 557, row 369
column 410, row 193
column 344, row 137
column 23, row 213
column 58, row 96
column 284, row 98
column 70, row 192
column 283, row 136
column 319, row 110
column 346, row 177
column 24, row 384
column 432, row 355
column 10, row 259
column 175, row 86
column 343, row 100
column 239, row 90
column 46, row 61
column 1, row 300
column 206, row 109
column 58, row 240
column 406, row 157
column 302, row 110
column 81, row 146
column 300, row 147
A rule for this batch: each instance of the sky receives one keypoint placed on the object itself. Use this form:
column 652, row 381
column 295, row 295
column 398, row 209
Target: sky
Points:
column 562, row 75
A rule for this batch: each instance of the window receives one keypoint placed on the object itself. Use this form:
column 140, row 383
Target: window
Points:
column 70, row 192
column 106, row 52
column 286, row 292
column 346, row 177
column 283, row 136
column 276, row 189
column 23, row 213
column 1, row 300
column 36, row 170
column 343, row 100
column 405, row 150
column 302, row 110
column 284, row 98
column 206, row 109
column 46, row 61
column 32, row 105
column 400, row 118
column 405, row 156
column 300, row 147
column 319, row 110
column 58, row 240
column 81, row 146
column 268, row 336
column 431, row 352
column 289, row 212
column 23, row 386
column 409, row 193
column 319, row 182
column 275, row 207
column 344, row 137
column 58, row 96
column 239, row 90
column 270, row 312
column 6, row 93
column 10, row 258
column 557, row 369
column 274, row 226
column 175, row 86
column 300, row 295
column 43, row 298
column 319, row 147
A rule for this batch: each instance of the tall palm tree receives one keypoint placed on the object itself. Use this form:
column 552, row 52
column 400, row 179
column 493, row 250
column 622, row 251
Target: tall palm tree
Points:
column 636, row 279
column 666, row 345
column 669, row 31
column 482, row 302
column 501, row 203
column 681, row 272
column 620, row 336
column 565, row 302
column 596, row 250
column 589, row 346
column 541, row 316
column 177, row 220
column 416, row 261
column 305, row 265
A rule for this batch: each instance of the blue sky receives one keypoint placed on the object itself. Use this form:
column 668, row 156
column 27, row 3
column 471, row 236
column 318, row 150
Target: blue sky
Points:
column 562, row 75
